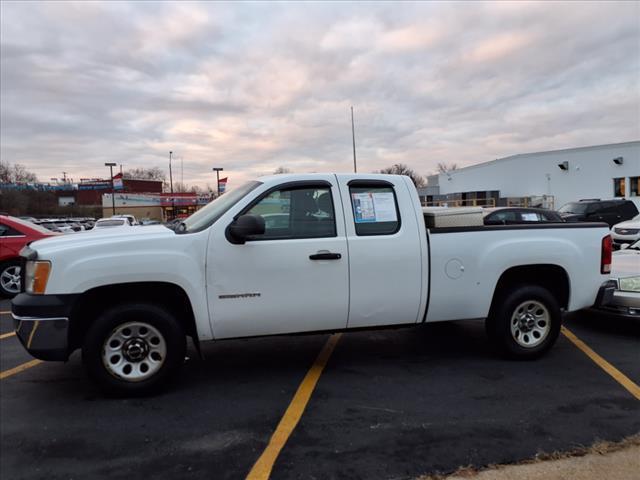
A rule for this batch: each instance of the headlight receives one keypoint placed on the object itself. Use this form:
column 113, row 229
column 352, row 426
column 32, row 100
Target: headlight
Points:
column 36, row 276
column 630, row 284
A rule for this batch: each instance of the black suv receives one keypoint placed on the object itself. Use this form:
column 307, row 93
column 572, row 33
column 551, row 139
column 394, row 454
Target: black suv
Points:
column 608, row 211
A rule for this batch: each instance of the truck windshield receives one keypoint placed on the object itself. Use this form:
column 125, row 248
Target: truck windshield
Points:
column 207, row 215
column 574, row 207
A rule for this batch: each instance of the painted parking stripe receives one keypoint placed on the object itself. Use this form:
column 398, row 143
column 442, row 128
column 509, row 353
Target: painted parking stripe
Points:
column 19, row 368
column 617, row 375
column 7, row 335
column 262, row 468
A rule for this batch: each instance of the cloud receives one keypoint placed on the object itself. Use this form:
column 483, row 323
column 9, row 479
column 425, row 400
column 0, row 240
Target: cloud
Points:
column 254, row 86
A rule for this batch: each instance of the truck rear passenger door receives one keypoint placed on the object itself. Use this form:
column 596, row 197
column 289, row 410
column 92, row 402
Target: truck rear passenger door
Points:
column 385, row 251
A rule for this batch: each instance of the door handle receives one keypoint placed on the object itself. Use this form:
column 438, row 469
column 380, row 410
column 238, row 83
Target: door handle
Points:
column 325, row 256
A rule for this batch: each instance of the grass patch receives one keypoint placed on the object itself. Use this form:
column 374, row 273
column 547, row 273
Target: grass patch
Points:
column 598, row 448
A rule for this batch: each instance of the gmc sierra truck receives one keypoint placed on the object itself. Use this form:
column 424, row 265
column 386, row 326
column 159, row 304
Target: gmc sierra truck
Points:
column 298, row 253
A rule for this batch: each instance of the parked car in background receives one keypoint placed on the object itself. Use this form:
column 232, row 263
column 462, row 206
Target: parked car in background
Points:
column 57, row 226
column 625, row 270
column 14, row 235
column 516, row 215
column 149, row 221
column 111, row 222
column 129, row 218
column 626, row 232
column 596, row 210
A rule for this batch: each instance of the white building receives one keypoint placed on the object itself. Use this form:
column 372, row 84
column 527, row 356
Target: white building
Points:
column 602, row 171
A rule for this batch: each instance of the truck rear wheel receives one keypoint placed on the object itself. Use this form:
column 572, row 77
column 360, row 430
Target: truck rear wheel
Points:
column 134, row 349
column 525, row 322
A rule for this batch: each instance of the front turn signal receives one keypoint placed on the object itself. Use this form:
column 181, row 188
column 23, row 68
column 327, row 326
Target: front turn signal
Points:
column 37, row 275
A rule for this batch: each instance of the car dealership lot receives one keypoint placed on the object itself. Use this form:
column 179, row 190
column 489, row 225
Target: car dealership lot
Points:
column 389, row 404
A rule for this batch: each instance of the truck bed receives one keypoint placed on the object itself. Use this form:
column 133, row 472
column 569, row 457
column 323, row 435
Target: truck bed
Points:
column 466, row 262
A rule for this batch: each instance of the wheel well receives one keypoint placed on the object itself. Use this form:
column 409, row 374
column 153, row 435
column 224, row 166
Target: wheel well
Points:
column 551, row 277
column 94, row 301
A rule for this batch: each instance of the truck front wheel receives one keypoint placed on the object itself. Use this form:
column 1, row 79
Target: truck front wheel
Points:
column 134, row 349
column 525, row 322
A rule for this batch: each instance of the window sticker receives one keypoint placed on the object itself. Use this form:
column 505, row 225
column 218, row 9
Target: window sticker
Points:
column 363, row 207
column 374, row 207
column 384, row 205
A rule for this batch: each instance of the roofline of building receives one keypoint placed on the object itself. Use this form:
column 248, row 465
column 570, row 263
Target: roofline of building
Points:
column 547, row 152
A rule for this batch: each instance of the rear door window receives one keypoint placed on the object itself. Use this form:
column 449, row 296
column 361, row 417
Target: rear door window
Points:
column 375, row 210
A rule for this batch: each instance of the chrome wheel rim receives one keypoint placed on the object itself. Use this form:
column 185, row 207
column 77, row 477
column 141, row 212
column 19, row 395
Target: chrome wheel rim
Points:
column 10, row 279
column 134, row 351
column 530, row 324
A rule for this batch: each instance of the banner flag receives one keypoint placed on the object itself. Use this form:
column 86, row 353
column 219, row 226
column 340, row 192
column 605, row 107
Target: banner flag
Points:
column 222, row 184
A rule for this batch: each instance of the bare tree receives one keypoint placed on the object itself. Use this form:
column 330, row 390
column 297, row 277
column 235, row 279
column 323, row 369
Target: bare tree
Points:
column 444, row 167
column 402, row 169
column 154, row 173
column 281, row 170
column 16, row 173
column 180, row 187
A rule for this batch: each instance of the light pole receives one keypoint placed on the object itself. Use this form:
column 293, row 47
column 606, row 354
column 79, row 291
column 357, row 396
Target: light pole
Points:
column 173, row 202
column 113, row 193
column 353, row 138
column 218, row 170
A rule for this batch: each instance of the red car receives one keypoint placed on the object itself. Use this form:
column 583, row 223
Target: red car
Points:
column 15, row 234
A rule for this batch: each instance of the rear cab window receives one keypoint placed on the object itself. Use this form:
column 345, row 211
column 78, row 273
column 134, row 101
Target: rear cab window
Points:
column 375, row 208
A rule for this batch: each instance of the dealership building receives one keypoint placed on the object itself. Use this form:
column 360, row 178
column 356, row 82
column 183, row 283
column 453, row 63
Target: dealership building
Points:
column 548, row 179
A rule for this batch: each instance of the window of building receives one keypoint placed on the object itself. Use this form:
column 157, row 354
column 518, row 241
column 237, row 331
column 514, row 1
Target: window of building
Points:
column 296, row 213
column 619, row 187
column 634, row 186
column 375, row 210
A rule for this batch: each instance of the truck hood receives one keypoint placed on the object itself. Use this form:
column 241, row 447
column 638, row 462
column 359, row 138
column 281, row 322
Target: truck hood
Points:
column 626, row 263
column 96, row 238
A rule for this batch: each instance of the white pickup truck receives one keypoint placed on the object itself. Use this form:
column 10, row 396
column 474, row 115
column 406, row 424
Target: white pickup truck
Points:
column 299, row 253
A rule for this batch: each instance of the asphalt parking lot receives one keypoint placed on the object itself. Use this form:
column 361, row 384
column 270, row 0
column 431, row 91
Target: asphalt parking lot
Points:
column 390, row 404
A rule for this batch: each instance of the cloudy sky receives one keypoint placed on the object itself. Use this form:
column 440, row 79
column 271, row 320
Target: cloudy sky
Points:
column 254, row 86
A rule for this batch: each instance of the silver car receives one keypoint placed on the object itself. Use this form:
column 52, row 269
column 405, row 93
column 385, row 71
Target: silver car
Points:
column 625, row 270
column 626, row 232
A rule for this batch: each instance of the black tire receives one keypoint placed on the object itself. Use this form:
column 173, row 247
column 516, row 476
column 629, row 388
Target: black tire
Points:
column 506, row 306
column 113, row 320
column 9, row 265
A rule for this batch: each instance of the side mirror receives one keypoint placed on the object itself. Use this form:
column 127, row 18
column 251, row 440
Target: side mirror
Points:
column 243, row 227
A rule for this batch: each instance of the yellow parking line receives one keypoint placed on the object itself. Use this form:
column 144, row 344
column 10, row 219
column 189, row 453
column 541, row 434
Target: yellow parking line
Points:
column 617, row 375
column 33, row 332
column 7, row 335
column 262, row 468
column 19, row 368
column 6, row 312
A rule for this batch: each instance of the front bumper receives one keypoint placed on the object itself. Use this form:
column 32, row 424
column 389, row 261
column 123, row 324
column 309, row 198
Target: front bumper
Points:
column 41, row 323
column 624, row 303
